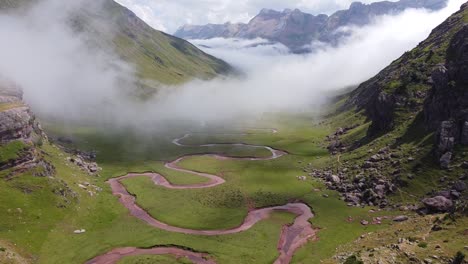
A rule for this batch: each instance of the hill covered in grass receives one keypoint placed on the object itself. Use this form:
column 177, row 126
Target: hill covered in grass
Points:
column 157, row 56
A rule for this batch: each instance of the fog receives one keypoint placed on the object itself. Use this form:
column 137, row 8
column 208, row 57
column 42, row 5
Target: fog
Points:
column 64, row 75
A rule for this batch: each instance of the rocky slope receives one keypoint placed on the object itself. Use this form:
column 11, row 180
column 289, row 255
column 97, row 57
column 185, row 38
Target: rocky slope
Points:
column 416, row 133
column 429, row 81
column 158, row 56
column 297, row 29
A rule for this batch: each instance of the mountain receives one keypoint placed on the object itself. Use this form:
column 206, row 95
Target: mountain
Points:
column 158, row 56
column 429, row 81
column 413, row 133
column 297, row 29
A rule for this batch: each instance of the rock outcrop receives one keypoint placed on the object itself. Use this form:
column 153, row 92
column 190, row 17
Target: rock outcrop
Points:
column 18, row 124
column 297, row 30
column 446, row 108
column 429, row 79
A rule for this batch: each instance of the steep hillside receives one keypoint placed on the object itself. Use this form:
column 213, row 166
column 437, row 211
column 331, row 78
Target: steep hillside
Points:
column 297, row 29
column 158, row 56
column 428, row 81
column 406, row 131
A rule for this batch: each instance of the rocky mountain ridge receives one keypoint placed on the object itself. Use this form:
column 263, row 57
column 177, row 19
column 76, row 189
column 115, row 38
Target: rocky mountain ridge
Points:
column 297, row 30
column 416, row 110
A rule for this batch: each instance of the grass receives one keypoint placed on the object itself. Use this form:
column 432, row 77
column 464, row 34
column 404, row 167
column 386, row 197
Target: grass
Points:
column 248, row 183
column 421, row 240
column 156, row 55
column 12, row 150
column 265, row 183
column 216, row 208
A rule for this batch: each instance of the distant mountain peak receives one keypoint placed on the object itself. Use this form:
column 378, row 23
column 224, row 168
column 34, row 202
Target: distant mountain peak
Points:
column 297, row 29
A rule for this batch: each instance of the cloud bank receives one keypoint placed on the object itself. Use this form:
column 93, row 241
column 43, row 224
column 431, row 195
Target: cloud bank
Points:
column 279, row 82
column 64, row 76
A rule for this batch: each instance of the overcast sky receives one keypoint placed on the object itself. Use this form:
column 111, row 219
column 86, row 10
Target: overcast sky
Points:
column 168, row 15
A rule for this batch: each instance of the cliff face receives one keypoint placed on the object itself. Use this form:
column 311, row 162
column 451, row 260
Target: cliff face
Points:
column 446, row 108
column 297, row 29
column 19, row 134
column 17, row 122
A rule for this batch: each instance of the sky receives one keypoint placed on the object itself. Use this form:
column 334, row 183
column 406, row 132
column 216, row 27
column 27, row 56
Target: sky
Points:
column 169, row 15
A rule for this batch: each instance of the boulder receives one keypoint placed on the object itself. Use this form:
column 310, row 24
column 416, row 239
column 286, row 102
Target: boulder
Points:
column 400, row 218
column 380, row 190
column 376, row 158
column 445, row 160
column 335, row 179
column 459, row 186
column 352, row 198
column 367, row 165
column 438, row 204
column 464, row 134
column 16, row 123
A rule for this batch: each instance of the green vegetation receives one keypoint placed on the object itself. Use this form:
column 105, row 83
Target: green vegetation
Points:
column 158, row 57
column 353, row 260
column 12, row 150
column 422, row 245
column 248, row 184
column 459, row 258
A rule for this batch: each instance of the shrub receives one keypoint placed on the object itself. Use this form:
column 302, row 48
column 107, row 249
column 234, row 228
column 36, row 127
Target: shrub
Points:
column 459, row 258
column 353, row 260
column 422, row 245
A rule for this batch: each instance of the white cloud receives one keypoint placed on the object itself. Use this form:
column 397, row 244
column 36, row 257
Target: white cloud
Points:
column 61, row 75
column 168, row 15
column 279, row 82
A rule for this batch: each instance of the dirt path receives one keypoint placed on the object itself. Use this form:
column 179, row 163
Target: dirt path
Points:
column 292, row 236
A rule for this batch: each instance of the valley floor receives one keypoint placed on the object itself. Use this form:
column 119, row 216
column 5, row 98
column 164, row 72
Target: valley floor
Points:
column 40, row 215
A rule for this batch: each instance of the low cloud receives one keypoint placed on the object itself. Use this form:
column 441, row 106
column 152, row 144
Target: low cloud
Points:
column 284, row 82
column 64, row 76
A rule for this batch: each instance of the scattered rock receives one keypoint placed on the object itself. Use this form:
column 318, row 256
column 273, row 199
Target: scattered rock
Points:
column 79, row 231
column 364, row 222
column 445, row 160
column 464, row 165
column 91, row 168
column 438, row 204
column 400, row 218
column 375, row 158
column 335, row 179
column 459, row 186
column 302, row 178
